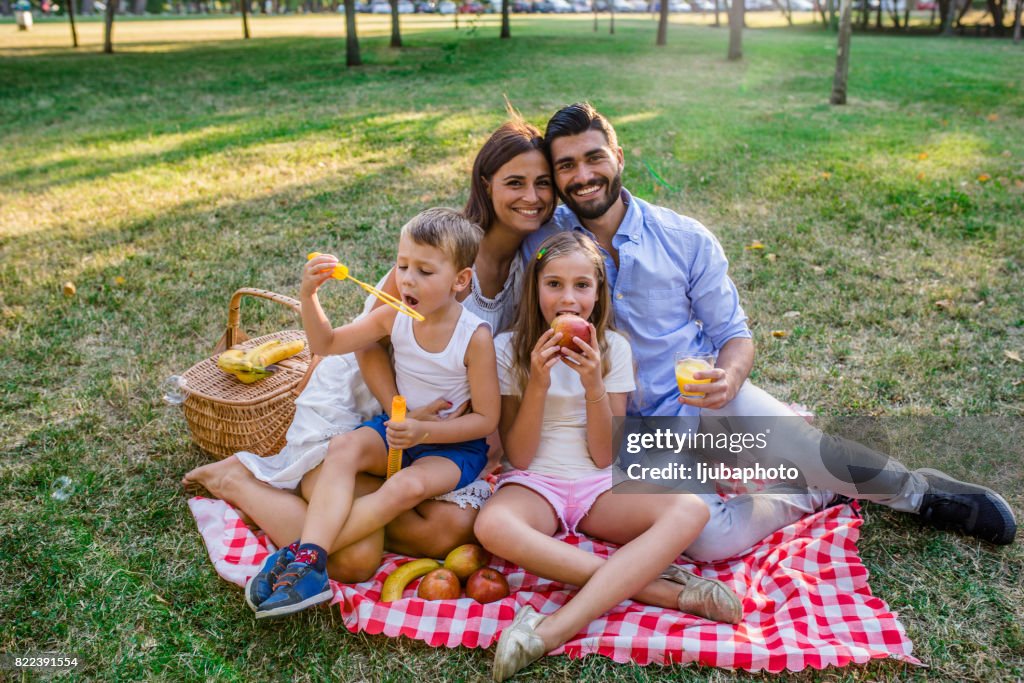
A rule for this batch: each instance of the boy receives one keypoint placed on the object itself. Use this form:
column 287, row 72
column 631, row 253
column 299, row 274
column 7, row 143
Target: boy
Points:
column 449, row 353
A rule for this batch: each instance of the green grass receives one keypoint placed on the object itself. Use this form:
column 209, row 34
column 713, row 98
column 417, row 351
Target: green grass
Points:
column 192, row 169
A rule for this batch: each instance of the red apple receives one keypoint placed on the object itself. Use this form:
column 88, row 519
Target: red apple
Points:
column 487, row 585
column 571, row 326
column 440, row 584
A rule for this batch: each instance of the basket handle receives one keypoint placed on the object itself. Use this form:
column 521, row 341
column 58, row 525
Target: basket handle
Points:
column 234, row 334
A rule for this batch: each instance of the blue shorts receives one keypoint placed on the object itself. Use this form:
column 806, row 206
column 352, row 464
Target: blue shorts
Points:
column 469, row 456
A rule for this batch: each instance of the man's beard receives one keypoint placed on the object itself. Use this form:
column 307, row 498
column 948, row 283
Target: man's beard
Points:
column 594, row 209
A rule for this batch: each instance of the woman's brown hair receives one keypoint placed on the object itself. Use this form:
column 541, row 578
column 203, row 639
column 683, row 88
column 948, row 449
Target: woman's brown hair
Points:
column 514, row 137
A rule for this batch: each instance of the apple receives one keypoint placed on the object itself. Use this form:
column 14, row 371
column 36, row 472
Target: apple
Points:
column 571, row 326
column 466, row 559
column 440, row 584
column 487, row 585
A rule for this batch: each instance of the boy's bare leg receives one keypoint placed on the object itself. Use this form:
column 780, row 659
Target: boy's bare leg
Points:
column 349, row 454
column 427, row 477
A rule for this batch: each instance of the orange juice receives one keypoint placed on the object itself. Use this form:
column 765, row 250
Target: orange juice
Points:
column 685, row 367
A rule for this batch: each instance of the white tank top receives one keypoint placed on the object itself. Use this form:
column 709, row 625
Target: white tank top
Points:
column 424, row 377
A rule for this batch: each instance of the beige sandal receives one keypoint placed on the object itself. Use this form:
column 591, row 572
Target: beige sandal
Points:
column 708, row 598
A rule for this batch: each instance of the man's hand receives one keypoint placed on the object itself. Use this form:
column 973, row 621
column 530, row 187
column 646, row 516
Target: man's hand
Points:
column 719, row 392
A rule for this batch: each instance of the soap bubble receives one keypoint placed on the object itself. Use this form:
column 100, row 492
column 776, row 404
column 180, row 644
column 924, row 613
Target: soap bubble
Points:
column 63, row 487
column 174, row 390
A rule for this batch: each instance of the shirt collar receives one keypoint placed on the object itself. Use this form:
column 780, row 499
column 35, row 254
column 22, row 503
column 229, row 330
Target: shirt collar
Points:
column 630, row 227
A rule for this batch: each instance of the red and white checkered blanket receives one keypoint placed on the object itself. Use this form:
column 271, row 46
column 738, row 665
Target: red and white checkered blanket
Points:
column 806, row 602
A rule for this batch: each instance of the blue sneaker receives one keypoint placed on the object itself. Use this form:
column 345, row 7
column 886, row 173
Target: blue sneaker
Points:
column 299, row 587
column 260, row 587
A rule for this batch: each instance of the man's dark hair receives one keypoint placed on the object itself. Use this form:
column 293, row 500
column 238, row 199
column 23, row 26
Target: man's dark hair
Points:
column 576, row 119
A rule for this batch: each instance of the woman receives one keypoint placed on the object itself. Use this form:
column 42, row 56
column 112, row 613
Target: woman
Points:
column 511, row 195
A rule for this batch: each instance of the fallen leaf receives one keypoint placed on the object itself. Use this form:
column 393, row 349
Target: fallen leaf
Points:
column 984, row 178
column 825, row 175
column 771, row 257
column 818, row 269
column 1019, row 184
column 922, row 156
column 1007, row 153
column 780, row 334
column 944, row 304
column 1013, row 355
column 756, row 244
column 69, row 289
column 119, row 280
column 920, row 176
column 993, row 117
column 791, row 314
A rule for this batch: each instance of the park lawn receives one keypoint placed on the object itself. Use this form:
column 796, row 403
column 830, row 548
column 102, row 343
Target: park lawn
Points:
column 161, row 179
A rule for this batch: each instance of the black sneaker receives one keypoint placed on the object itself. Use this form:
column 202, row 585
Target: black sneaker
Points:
column 972, row 509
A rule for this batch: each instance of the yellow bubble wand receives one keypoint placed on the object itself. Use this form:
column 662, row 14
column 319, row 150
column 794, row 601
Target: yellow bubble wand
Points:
column 341, row 273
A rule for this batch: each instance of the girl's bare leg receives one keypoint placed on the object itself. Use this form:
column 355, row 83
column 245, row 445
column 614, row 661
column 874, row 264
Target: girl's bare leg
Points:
column 431, row 529
column 517, row 524
column 661, row 527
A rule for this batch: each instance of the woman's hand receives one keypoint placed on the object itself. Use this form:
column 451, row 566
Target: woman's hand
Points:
column 587, row 364
column 407, row 433
column 543, row 358
column 431, row 411
column 317, row 271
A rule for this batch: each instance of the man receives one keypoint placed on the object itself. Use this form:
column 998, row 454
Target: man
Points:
column 671, row 291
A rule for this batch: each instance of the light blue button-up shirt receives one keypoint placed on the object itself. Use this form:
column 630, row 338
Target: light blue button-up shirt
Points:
column 670, row 292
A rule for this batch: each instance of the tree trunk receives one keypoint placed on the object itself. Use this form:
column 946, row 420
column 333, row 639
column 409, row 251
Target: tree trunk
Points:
column 663, row 23
column 997, row 10
column 787, row 9
column 906, row 16
column 71, row 20
column 611, row 21
column 842, row 55
column 506, row 27
column 736, row 29
column 245, row 18
column 717, row 21
column 593, row 4
column 351, row 39
column 878, row 16
column 108, row 27
column 396, row 29
column 947, row 29
column 1016, row 22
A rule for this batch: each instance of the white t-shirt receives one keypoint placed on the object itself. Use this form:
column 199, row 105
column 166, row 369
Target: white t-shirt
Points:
column 562, row 451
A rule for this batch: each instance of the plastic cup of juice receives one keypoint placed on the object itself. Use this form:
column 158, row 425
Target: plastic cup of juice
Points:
column 689, row 363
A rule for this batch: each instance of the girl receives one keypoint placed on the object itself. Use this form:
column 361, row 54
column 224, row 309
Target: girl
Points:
column 556, row 424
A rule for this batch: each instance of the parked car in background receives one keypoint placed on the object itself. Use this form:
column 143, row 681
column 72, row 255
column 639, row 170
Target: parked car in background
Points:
column 926, row 5
column 424, row 7
column 446, row 7
column 471, row 7
column 554, row 7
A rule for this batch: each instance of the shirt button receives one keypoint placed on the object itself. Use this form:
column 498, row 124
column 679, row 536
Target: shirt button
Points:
column 618, row 296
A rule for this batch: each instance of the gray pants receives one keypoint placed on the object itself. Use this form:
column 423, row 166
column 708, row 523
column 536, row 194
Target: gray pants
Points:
column 825, row 462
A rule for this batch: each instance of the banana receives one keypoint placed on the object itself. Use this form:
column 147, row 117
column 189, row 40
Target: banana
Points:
column 281, row 351
column 250, row 377
column 233, row 360
column 403, row 576
column 255, row 354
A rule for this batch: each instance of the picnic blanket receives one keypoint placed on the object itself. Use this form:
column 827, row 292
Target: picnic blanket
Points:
column 806, row 602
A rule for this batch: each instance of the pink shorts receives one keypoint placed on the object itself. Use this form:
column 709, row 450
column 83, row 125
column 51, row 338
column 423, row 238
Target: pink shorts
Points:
column 570, row 498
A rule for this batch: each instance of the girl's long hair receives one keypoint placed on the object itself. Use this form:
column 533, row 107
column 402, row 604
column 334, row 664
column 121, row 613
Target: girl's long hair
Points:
column 512, row 138
column 530, row 323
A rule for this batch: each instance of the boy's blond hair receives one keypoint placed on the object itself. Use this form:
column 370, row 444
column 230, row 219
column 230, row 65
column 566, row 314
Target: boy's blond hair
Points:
column 457, row 237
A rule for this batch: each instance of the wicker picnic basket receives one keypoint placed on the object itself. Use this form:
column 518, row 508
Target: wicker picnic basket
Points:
column 226, row 416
